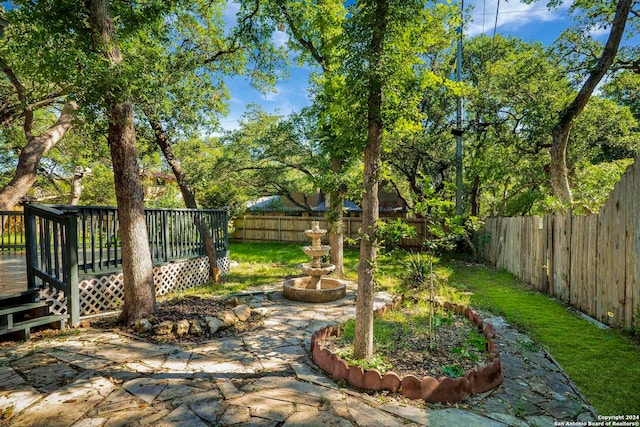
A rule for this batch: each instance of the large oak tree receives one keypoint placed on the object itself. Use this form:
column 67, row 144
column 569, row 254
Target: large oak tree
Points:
column 90, row 49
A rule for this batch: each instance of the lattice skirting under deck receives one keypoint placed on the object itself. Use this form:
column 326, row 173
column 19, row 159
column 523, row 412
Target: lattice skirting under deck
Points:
column 105, row 293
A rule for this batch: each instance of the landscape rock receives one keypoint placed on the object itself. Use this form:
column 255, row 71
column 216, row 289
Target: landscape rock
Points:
column 143, row 325
column 163, row 328
column 195, row 328
column 228, row 317
column 242, row 312
column 213, row 324
column 182, row 327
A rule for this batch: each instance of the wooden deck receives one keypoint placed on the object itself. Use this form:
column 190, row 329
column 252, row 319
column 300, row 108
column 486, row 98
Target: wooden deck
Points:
column 13, row 273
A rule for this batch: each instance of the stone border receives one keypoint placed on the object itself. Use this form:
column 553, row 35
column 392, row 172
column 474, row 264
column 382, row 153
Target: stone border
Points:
column 443, row 389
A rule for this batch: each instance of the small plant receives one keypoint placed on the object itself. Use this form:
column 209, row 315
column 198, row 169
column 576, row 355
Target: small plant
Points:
column 454, row 371
column 375, row 362
column 464, row 352
column 527, row 345
column 418, row 272
column 519, row 409
column 476, row 340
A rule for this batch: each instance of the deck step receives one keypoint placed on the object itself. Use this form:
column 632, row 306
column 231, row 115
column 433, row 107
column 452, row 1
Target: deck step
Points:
column 22, row 307
column 25, row 326
column 26, row 296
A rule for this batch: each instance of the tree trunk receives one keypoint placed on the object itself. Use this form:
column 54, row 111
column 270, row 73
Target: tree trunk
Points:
column 76, row 184
column 187, row 195
column 363, row 340
column 32, row 153
column 560, row 133
column 137, row 268
column 475, row 196
column 558, row 152
column 335, row 219
column 139, row 289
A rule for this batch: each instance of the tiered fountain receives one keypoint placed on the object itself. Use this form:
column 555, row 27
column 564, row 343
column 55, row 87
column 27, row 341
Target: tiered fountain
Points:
column 314, row 287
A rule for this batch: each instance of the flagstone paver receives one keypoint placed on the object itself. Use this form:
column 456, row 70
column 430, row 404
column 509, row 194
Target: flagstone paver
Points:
column 263, row 377
column 66, row 405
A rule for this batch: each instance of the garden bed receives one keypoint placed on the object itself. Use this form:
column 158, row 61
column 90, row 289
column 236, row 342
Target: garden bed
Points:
column 475, row 376
column 193, row 309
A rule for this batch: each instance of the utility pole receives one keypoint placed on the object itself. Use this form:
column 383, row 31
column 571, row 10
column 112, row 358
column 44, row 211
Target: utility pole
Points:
column 458, row 131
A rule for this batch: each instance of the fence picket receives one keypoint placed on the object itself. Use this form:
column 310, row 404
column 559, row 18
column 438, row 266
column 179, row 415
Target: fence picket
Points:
column 635, row 245
column 630, row 213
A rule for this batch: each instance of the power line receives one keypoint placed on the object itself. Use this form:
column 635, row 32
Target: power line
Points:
column 508, row 12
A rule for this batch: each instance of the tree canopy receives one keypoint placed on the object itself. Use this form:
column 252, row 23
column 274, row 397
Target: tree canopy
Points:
column 545, row 127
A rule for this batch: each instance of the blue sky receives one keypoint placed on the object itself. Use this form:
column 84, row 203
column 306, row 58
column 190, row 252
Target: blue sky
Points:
column 531, row 22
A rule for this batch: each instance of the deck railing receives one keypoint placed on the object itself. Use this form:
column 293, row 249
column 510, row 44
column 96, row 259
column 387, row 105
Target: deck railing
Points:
column 63, row 241
column 52, row 253
column 173, row 234
column 12, row 236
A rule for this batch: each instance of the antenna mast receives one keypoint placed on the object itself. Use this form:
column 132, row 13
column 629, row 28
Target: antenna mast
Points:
column 459, row 131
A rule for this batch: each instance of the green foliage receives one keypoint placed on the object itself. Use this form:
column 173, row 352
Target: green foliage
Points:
column 453, row 371
column 474, row 341
column 417, row 272
column 266, row 155
column 516, row 90
column 176, row 55
column 169, row 198
column 478, row 341
column 623, row 88
column 99, row 189
column 390, row 233
column 375, row 362
column 593, row 183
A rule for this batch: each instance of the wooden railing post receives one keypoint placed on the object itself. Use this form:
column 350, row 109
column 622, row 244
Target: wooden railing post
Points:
column 70, row 267
column 31, row 248
column 166, row 233
column 225, row 229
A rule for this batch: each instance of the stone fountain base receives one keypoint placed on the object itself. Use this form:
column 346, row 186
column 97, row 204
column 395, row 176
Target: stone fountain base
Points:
column 301, row 289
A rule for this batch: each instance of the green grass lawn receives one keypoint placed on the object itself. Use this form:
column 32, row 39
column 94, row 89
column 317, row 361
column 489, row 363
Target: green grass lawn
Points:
column 261, row 262
column 604, row 364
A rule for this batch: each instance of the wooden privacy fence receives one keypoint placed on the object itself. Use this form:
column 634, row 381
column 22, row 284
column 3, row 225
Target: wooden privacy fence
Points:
column 590, row 262
column 257, row 228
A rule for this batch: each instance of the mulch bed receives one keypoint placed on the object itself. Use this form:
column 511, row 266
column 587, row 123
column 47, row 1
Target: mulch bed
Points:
column 188, row 307
column 413, row 355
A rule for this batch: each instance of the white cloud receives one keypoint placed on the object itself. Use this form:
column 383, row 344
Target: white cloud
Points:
column 511, row 16
column 280, row 38
column 600, row 31
column 281, row 99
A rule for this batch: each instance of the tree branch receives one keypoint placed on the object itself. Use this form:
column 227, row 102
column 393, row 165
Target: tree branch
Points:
column 297, row 34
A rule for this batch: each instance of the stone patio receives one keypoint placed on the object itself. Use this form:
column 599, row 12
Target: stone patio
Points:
column 263, row 378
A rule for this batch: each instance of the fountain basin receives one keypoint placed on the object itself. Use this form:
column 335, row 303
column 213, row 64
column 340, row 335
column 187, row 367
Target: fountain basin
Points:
column 302, row 289
column 324, row 269
column 316, row 252
column 315, row 234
